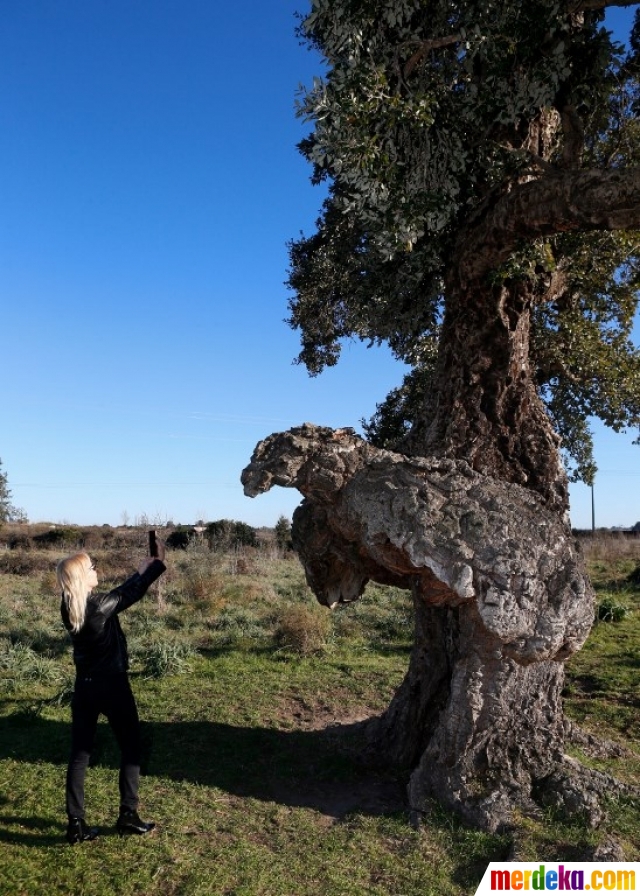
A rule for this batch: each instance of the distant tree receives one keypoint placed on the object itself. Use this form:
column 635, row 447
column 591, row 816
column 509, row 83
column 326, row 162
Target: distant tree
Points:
column 5, row 497
column 229, row 534
column 8, row 511
column 283, row 534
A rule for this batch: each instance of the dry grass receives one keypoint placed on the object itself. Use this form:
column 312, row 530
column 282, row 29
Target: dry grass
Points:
column 608, row 547
column 304, row 630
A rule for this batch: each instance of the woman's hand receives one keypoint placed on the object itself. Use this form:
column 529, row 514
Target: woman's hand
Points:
column 146, row 563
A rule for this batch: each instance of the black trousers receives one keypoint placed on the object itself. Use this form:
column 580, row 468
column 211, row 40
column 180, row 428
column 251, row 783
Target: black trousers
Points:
column 109, row 695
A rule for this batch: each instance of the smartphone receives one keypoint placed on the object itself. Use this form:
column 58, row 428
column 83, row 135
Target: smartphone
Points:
column 153, row 545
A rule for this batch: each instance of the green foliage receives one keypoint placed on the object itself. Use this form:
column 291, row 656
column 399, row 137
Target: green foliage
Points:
column 62, row 536
column 166, row 657
column 609, row 609
column 427, row 114
column 403, row 406
column 283, row 534
column 5, row 497
column 19, row 663
column 8, row 512
column 238, row 625
column 587, row 364
column 225, row 534
column 179, row 538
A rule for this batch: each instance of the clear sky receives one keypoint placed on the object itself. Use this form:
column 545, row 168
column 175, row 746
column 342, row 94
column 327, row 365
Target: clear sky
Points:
column 149, row 182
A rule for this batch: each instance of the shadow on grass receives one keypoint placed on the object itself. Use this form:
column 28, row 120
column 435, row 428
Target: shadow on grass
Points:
column 319, row 770
column 31, row 831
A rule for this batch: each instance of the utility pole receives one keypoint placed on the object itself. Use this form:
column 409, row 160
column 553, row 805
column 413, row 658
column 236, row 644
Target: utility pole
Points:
column 593, row 511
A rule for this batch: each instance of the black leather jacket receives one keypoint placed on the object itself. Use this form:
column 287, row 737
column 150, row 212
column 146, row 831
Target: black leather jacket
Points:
column 100, row 647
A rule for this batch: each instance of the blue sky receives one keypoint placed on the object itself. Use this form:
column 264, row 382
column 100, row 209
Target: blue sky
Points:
column 149, row 182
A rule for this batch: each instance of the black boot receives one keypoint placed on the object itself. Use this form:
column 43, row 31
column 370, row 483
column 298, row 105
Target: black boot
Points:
column 78, row 830
column 130, row 822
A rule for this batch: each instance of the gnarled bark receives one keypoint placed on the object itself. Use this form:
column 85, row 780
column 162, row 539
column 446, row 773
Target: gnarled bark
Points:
column 501, row 597
column 486, row 408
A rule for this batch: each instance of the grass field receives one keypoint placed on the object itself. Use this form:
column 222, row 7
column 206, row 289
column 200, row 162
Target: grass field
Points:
column 251, row 697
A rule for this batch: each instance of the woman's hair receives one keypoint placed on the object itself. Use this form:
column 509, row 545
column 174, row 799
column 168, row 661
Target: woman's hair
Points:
column 71, row 574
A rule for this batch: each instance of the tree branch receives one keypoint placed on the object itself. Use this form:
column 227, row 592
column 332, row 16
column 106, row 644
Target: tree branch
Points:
column 435, row 44
column 563, row 202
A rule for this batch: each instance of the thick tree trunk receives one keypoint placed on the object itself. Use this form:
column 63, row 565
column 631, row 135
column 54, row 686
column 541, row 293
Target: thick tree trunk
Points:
column 480, row 731
column 501, row 597
column 485, row 408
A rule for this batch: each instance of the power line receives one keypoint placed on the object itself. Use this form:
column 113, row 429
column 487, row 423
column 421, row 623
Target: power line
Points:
column 125, row 484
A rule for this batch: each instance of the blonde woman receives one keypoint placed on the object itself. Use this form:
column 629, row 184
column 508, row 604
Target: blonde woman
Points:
column 102, row 683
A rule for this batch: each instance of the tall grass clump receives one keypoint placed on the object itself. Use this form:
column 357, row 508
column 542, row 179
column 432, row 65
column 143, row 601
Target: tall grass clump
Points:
column 303, row 630
column 165, row 657
column 20, row 663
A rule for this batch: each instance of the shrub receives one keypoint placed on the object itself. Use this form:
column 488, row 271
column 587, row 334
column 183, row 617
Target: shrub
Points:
column 303, row 630
column 163, row 658
column 19, row 541
column 179, row 539
column 201, row 585
column 283, row 534
column 63, row 537
column 228, row 534
column 23, row 563
column 198, row 580
column 115, row 566
column 609, row 610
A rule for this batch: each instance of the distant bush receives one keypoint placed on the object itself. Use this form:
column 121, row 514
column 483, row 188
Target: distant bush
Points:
column 63, row 537
column 229, row 534
column 91, row 538
column 179, row 539
column 23, row 563
column 19, row 541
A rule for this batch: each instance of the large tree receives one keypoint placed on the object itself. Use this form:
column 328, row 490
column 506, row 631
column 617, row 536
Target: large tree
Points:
column 481, row 160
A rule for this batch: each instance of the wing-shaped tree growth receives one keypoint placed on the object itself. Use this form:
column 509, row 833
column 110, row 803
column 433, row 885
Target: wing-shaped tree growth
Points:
column 482, row 218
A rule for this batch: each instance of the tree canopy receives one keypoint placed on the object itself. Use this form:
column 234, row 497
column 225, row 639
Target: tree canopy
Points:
column 488, row 141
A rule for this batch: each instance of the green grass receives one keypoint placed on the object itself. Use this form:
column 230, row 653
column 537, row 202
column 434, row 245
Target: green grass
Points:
column 253, row 765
